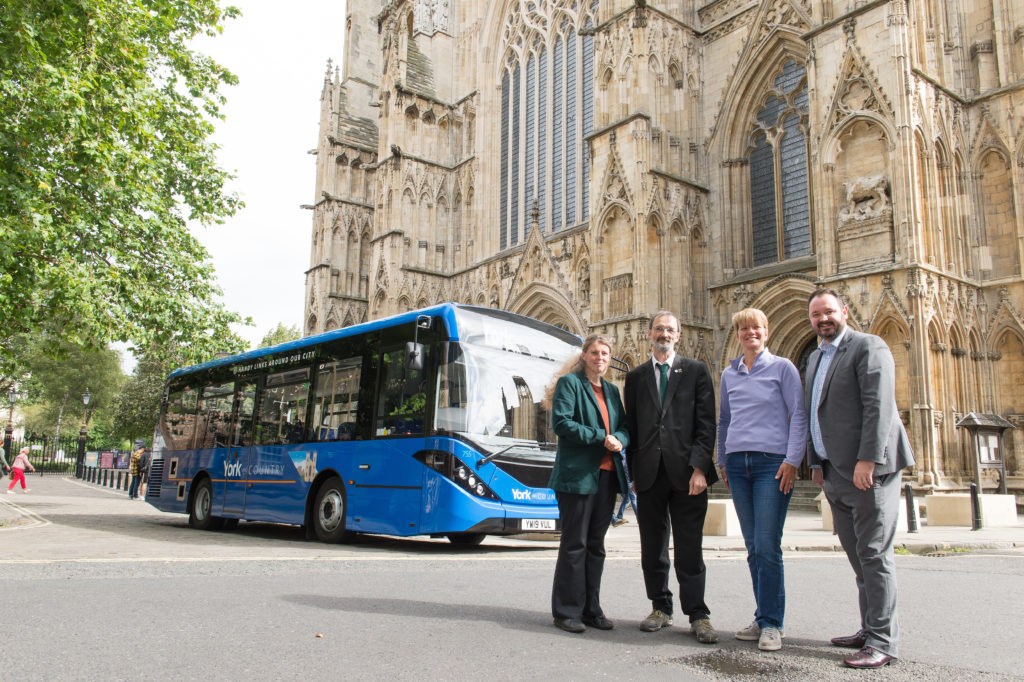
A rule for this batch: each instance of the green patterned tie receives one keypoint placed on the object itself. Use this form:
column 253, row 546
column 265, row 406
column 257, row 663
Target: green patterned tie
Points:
column 663, row 368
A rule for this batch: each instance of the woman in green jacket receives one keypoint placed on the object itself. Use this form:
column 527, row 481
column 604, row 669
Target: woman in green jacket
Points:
column 590, row 423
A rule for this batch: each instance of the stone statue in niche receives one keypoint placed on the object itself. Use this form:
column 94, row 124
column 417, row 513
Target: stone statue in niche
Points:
column 867, row 199
column 584, row 287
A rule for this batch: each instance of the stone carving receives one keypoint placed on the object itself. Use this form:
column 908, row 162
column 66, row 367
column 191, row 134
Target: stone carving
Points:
column 867, row 199
column 431, row 16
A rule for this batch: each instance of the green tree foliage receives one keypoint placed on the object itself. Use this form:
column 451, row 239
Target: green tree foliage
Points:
column 57, row 382
column 105, row 153
column 280, row 334
column 138, row 405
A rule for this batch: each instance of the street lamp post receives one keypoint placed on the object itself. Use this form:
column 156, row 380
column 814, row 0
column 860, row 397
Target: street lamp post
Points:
column 12, row 397
column 80, row 463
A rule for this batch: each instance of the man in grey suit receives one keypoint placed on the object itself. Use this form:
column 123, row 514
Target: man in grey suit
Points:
column 857, row 448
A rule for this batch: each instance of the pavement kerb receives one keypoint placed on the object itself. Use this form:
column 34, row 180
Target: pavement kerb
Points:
column 802, row 534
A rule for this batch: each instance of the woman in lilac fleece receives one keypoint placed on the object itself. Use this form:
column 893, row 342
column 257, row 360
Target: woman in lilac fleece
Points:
column 762, row 429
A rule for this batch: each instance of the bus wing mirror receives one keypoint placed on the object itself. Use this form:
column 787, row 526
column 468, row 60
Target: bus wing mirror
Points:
column 414, row 356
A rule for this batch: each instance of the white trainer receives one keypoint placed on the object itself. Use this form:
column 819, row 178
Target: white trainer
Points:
column 770, row 640
column 751, row 633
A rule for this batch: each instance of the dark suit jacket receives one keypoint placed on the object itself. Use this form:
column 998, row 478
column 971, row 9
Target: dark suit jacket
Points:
column 680, row 433
column 577, row 421
column 858, row 414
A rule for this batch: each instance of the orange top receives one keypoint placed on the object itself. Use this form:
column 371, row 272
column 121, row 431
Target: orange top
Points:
column 606, row 462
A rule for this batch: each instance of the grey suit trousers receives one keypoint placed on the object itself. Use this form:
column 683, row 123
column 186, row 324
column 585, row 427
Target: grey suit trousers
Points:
column 865, row 521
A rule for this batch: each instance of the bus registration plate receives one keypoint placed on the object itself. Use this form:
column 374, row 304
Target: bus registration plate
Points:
column 538, row 524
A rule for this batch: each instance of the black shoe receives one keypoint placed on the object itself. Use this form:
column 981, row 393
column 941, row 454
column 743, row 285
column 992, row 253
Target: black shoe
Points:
column 856, row 641
column 570, row 625
column 599, row 622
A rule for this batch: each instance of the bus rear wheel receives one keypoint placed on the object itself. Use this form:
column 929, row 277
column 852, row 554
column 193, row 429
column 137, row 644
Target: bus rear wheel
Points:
column 466, row 538
column 200, row 514
column 329, row 512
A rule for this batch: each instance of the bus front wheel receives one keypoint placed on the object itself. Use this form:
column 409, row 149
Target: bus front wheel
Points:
column 200, row 515
column 466, row 538
column 329, row 512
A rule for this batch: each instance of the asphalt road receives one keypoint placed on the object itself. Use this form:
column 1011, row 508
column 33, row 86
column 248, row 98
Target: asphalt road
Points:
column 100, row 588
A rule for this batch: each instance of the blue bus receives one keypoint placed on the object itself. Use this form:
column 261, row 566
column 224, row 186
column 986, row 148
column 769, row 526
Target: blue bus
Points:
column 429, row 422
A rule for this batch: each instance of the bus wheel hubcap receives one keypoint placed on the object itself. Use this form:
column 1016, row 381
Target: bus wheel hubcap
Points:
column 331, row 510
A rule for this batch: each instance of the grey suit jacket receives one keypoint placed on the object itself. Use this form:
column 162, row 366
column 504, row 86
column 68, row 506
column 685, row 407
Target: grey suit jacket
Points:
column 858, row 414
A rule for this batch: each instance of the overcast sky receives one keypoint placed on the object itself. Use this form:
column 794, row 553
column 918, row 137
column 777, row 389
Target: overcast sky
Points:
column 279, row 52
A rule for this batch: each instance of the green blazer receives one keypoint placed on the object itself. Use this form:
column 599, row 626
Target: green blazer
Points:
column 581, row 433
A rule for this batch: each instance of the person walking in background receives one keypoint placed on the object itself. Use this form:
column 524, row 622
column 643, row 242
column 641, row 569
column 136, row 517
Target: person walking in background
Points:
column 857, row 448
column 670, row 408
column 4, row 466
column 133, row 469
column 762, row 433
column 590, row 423
column 18, row 467
column 144, row 461
column 628, row 497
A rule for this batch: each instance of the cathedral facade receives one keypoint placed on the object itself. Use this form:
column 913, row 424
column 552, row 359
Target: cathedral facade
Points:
column 588, row 162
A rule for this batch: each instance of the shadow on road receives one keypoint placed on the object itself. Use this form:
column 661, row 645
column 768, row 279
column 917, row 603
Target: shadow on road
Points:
column 175, row 529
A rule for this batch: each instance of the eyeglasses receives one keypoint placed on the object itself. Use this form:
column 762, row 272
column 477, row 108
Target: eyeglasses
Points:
column 666, row 330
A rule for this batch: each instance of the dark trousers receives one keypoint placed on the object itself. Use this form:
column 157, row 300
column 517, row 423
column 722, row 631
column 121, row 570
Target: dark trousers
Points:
column 576, row 592
column 656, row 508
column 865, row 521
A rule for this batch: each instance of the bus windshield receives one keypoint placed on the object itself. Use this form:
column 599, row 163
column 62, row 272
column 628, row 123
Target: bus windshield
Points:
column 492, row 383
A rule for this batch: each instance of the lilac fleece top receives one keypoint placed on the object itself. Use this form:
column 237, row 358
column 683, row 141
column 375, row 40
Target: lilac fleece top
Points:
column 762, row 410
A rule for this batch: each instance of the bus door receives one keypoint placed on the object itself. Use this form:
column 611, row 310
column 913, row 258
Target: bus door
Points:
column 236, row 467
column 387, row 479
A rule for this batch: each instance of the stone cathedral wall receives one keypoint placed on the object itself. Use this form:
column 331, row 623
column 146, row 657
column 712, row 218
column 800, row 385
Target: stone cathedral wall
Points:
column 740, row 153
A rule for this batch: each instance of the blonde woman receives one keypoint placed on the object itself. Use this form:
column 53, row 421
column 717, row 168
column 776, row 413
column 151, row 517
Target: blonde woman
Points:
column 762, row 429
column 590, row 422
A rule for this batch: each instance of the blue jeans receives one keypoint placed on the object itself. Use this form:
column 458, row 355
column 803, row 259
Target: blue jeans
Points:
column 761, row 508
column 133, row 488
column 628, row 498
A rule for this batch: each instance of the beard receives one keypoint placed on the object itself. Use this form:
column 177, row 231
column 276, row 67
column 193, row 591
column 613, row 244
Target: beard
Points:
column 829, row 332
column 663, row 346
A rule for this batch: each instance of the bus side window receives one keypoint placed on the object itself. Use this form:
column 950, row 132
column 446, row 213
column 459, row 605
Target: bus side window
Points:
column 214, row 420
column 402, row 401
column 246, row 400
column 180, row 418
column 336, row 399
column 282, row 408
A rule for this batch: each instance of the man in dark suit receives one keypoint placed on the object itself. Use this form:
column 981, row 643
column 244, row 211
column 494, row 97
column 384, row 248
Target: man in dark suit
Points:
column 857, row 447
column 670, row 411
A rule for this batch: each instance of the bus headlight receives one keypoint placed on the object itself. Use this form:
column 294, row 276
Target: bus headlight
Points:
column 456, row 471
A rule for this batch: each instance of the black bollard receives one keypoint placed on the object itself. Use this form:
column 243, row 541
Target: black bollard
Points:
column 118, row 480
column 975, row 508
column 908, row 490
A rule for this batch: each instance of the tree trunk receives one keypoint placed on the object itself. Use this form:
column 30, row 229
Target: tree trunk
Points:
column 60, row 418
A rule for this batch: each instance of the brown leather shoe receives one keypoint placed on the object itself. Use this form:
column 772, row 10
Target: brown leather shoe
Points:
column 856, row 641
column 868, row 658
